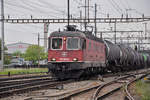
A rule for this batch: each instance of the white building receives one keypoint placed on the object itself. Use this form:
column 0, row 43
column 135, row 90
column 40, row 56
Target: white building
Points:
column 22, row 47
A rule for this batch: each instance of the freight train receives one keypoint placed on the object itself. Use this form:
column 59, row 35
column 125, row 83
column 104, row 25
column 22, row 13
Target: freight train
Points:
column 73, row 54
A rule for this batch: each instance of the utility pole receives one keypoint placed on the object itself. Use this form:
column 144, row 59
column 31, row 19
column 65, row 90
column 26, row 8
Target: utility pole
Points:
column 145, row 25
column 68, row 11
column 95, row 20
column 80, row 18
column 85, row 16
column 2, row 34
column 46, row 26
column 139, row 42
column 38, row 39
column 115, row 31
column 38, row 50
column 88, row 9
column 86, row 13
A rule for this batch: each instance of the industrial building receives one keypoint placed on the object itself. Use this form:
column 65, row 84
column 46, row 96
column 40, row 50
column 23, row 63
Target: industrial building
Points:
column 20, row 46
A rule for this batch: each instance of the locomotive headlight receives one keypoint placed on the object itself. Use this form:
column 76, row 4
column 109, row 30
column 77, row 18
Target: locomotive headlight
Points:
column 64, row 38
column 75, row 59
column 145, row 78
column 53, row 59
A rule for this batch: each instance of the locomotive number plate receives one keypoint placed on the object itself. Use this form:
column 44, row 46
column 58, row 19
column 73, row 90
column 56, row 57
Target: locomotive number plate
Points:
column 64, row 59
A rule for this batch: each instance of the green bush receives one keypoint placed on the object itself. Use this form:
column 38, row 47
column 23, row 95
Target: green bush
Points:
column 143, row 89
column 23, row 71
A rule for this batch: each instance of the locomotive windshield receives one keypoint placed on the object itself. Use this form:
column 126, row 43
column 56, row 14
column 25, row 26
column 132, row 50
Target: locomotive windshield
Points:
column 56, row 43
column 73, row 43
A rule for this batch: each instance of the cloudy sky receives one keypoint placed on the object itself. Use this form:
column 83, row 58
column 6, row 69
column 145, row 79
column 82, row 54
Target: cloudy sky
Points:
column 57, row 9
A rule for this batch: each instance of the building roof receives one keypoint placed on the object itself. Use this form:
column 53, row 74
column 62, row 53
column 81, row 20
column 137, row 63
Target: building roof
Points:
column 18, row 43
column 19, row 46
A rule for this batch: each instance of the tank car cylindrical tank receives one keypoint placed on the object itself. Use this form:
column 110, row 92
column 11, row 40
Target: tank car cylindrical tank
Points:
column 113, row 53
column 148, row 60
column 137, row 59
column 141, row 60
column 131, row 56
column 123, row 59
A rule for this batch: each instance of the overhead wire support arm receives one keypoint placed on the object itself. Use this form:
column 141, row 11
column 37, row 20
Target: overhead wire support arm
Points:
column 75, row 20
column 119, row 31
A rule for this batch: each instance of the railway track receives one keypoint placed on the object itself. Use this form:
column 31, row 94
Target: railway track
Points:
column 100, row 90
column 11, row 86
column 21, row 74
column 5, row 82
column 127, row 88
column 22, row 77
column 109, row 88
column 89, row 93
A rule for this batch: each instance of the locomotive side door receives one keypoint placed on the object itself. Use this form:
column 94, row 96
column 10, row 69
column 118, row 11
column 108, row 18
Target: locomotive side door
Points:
column 83, row 46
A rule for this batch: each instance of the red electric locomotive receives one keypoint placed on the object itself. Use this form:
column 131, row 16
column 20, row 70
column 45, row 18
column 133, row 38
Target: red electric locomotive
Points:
column 72, row 54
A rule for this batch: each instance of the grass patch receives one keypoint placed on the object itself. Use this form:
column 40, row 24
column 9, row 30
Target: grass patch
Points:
column 23, row 71
column 143, row 89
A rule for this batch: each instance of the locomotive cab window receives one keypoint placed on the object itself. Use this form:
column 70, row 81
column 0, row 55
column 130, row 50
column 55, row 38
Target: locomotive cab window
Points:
column 90, row 46
column 73, row 43
column 57, row 43
column 49, row 43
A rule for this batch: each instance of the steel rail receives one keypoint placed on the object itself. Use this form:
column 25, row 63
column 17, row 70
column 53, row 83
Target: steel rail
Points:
column 17, row 89
column 23, row 77
column 96, row 97
column 84, row 90
column 69, row 95
column 16, row 86
column 15, row 82
column 21, row 74
column 128, row 94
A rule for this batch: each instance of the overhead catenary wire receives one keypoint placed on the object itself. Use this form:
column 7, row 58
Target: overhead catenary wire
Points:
column 79, row 2
column 113, row 5
column 129, row 7
column 35, row 7
column 123, row 4
column 31, row 9
column 54, row 7
column 117, row 5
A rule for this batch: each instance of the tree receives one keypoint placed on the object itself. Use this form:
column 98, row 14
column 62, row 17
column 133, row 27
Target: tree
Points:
column 5, row 48
column 34, row 53
column 6, row 56
column 18, row 54
column 7, row 59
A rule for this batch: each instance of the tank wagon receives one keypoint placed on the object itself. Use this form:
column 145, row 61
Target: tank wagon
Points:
column 72, row 54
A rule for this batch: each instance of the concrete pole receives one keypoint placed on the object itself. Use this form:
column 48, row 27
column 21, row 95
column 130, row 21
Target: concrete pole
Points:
column 38, row 50
column 145, row 26
column 95, row 20
column 88, row 9
column 2, row 35
column 68, row 8
column 46, row 25
column 81, row 18
column 85, row 15
column 115, row 32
